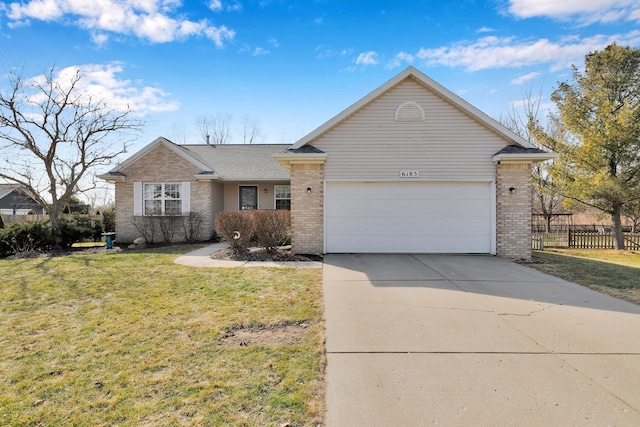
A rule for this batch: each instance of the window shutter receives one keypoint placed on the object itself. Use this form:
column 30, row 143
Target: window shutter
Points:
column 186, row 197
column 137, row 199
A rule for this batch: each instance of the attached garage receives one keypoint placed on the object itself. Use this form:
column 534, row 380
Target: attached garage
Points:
column 410, row 217
column 411, row 168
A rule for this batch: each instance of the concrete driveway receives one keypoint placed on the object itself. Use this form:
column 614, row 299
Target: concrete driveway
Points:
column 418, row 340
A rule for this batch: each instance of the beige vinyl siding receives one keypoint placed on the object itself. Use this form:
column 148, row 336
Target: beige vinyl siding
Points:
column 265, row 200
column 230, row 197
column 371, row 145
column 217, row 197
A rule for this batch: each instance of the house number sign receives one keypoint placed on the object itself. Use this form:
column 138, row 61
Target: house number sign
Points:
column 409, row 174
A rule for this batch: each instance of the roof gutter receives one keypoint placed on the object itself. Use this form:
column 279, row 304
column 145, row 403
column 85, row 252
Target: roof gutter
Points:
column 113, row 177
column 523, row 157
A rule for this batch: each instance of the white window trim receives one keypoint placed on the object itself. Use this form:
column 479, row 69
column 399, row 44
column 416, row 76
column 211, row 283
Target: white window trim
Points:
column 275, row 196
column 139, row 198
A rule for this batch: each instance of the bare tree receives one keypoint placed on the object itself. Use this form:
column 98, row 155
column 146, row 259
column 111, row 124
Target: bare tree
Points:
column 52, row 135
column 545, row 200
column 215, row 129
column 179, row 133
column 251, row 131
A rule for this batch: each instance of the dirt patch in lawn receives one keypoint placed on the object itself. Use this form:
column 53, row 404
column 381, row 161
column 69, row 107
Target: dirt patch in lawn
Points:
column 266, row 335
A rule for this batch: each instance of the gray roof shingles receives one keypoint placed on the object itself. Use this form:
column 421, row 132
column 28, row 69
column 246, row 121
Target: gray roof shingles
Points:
column 241, row 161
column 516, row 149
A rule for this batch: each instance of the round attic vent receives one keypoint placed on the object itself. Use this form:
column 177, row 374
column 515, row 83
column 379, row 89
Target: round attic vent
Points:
column 409, row 112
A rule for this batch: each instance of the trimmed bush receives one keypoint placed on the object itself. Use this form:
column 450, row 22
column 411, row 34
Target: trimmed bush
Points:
column 271, row 228
column 79, row 228
column 25, row 237
column 236, row 227
column 109, row 220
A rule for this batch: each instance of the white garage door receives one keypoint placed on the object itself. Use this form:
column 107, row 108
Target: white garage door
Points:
column 416, row 217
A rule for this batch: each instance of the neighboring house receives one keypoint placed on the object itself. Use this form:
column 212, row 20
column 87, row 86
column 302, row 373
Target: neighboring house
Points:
column 14, row 200
column 410, row 168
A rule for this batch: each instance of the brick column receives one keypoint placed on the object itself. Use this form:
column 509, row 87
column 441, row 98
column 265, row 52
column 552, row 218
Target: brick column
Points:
column 513, row 210
column 307, row 209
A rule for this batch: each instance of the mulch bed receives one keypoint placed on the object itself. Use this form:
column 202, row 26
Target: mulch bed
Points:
column 259, row 254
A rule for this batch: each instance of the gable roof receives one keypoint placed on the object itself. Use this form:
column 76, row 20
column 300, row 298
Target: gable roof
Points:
column 230, row 162
column 423, row 79
column 147, row 148
column 6, row 189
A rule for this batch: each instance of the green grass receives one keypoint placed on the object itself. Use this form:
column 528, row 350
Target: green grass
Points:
column 616, row 273
column 134, row 339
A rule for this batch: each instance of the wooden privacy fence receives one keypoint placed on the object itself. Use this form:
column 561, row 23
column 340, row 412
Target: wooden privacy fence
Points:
column 579, row 238
column 596, row 240
column 8, row 219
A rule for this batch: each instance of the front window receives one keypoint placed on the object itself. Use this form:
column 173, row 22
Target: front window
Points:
column 248, row 195
column 283, row 197
column 162, row 199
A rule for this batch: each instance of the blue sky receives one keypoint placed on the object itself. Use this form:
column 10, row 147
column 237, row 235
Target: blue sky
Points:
column 292, row 65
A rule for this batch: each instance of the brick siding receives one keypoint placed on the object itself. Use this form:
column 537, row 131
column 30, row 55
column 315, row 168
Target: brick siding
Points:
column 513, row 210
column 161, row 165
column 307, row 210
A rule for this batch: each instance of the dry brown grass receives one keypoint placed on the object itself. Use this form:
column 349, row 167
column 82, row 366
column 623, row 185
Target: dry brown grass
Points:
column 133, row 339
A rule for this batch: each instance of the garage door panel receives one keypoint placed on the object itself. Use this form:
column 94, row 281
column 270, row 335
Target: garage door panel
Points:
column 386, row 207
column 421, row 225
column 414, row 217
column 412, row 243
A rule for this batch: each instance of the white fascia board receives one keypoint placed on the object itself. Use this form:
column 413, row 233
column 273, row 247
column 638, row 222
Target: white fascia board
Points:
column 288, row 159
column 207, row 177
column 523, row 157
column 112, row 178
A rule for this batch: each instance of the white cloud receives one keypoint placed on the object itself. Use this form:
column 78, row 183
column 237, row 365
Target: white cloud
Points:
column 101, row 83
column 217, row 6
column 507, row 52
column 400, row 59
column 485, row 30
column 44, row 10
column 259, row 52
column 585, row 11
column 367, row 58
column 524, row 78
column 323, row 52
column 151, row 20
column 274, row 42
column 99, row 38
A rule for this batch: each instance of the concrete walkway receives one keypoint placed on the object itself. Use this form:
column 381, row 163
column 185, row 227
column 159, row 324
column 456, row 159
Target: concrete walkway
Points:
column 201, row 258
column 474, row 341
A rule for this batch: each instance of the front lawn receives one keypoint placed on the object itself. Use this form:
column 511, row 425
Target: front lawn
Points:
column 616, row 273
column 131, row 338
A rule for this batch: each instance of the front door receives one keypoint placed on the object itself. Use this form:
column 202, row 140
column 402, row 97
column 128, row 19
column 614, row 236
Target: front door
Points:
column 248, row 197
